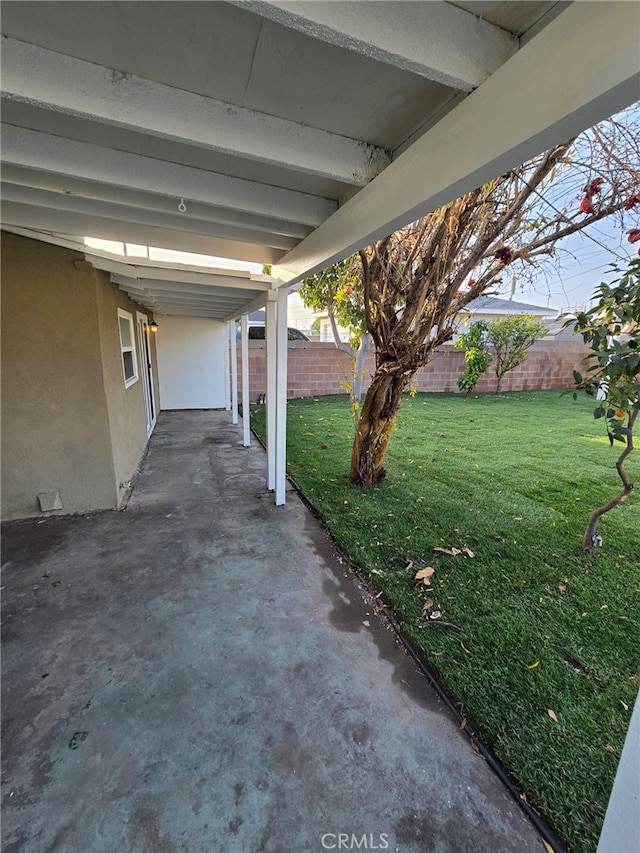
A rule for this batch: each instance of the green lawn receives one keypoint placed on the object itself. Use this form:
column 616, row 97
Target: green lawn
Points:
column 529, row 624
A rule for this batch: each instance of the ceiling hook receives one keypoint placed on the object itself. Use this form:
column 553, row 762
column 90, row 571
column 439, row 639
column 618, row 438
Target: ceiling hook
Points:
column 182, row 207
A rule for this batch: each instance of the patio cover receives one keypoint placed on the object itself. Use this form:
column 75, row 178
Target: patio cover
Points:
column 286, row 133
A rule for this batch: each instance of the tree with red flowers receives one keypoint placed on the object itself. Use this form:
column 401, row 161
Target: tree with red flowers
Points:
column 416, row 281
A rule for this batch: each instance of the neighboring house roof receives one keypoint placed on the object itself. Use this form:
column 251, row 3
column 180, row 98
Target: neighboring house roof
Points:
column 495, row 305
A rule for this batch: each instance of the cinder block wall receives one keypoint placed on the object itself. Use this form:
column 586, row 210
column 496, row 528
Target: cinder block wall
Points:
column 315, row 369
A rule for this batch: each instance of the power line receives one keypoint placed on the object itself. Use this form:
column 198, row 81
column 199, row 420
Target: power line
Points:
column 566, row 219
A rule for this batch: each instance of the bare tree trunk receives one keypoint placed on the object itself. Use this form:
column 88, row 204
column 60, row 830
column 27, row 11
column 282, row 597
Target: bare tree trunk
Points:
column 590, row 540
column 359, row 366
column 377, row 419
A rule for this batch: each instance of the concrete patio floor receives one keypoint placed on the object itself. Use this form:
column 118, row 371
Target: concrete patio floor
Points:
column 200, row 672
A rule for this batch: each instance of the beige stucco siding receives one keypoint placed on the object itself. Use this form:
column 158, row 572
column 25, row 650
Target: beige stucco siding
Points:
column 126, row 408
column 55, row 425
column 68, row 422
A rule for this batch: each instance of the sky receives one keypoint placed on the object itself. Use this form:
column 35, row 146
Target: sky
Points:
column 584, row 260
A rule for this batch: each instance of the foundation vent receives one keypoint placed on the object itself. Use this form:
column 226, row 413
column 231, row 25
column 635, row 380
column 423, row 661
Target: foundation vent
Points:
column 49, row 501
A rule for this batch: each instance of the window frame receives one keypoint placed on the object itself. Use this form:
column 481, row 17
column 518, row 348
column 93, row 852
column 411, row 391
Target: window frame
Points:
column 126, row 348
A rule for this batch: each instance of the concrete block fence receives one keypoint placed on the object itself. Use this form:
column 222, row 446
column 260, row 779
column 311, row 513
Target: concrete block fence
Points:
column 315, row 369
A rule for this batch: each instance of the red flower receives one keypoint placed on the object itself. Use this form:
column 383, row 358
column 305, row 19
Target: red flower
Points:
column 593, row 187
column 634, row 235
column 585, row 205
column 504, row 256
column 472, row 281
column 631, row 202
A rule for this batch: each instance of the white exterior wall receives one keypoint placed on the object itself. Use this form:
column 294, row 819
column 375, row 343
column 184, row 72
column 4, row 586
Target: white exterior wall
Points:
column 191, row 362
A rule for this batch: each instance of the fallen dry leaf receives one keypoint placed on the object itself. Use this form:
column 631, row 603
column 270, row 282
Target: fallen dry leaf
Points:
column 435, row 615
column 427, row 605
column 534, row 665
column 562, row 587
column 409, row 565
column 424, row 575
column 467, row 551
column 552, row 714
column 465, row 648
column 366, row 622
column 548, row 847
column 452, row 552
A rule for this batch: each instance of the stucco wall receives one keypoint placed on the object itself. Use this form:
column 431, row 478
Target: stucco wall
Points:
column 191, row 353
column 125, row 406
column 55, row 426
column 69, row 423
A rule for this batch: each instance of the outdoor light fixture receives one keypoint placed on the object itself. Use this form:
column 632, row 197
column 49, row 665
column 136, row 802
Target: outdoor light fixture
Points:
column 153, row 326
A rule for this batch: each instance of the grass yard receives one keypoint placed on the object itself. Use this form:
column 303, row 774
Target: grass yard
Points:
column 529, row 624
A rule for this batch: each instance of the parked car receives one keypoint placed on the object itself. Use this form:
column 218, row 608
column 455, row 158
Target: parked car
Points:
column 256, row 333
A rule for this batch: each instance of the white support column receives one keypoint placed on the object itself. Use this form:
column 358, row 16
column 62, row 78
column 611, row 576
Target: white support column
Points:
column 227, row 369
column 234, row 372
column 622, row 820
column 281, row 396
column 272, row 361
column 244, row 335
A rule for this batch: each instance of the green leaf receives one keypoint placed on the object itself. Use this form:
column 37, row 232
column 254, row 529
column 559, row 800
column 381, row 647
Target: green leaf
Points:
column 598, row 413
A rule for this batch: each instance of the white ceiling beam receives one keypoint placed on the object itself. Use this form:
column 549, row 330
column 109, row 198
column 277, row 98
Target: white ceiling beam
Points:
column 549, row 91
column 211, row 310
column 184, row 294
column 67, row 241
column 34, row 150
column 212, row 305
column 122, row 213
column 144, row 268
column 226, row 285
column 64, row 223
column 179, row 290
column 254, row 305
column 82, row 89
column 435, row 40
column 168, row 298
column 191, row 312
column 168, row 304
column 68, row 185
